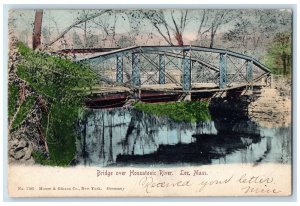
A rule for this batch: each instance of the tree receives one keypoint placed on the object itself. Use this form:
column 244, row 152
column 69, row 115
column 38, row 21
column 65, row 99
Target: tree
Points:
column 219, row 17
column 279, row 56
column 124, row 41
column 135, row 19
column 253, row 30
column 243, row 34
column 268, row 22
column 46, row 34
column 37, row 29
column 77, row 43
column 203, row 25
column 91, row 41
column 210, row 21
column 157, row 19
column 107, row 28
column 179, row 27
column 81, row 20
column 167, row 29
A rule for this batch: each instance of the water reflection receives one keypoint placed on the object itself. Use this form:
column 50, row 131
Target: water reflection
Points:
column 126, row 137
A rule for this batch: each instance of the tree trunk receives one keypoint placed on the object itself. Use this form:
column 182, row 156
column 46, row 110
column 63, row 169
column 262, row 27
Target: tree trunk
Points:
column 289, row 62
column 37, row 29
column 178, row 38
column 284, row 64
column 85, row 41
column 212, row 36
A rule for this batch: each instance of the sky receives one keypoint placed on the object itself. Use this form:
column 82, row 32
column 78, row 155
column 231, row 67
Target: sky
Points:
column 64, row 18
column 57, row 20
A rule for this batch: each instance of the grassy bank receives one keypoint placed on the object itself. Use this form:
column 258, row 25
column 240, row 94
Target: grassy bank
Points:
column 193, row 111
column 53, row 80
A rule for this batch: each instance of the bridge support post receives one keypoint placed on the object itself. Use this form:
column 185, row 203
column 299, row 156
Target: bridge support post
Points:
column 223, row 71
column 270, row 81
column 162, row 78
column 186, row 64
column 119, row 74
column 249, row 71
column 249, row 74
column 136, row 81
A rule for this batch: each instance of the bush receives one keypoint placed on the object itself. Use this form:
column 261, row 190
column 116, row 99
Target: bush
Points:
column 23, row 111
column 60, row 82
column 279, row 56
column 193, row 111
column 13, row 93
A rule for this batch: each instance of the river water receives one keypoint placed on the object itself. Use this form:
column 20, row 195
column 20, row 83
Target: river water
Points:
column 127, row 137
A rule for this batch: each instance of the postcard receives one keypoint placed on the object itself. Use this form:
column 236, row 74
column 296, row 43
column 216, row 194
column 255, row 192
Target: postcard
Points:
column 149, row 102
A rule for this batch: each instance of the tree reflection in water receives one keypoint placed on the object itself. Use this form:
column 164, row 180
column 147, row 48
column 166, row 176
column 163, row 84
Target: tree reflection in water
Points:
column 127, row 137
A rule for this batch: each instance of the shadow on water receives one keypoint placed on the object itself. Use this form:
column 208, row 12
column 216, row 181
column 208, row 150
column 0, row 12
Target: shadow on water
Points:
column 127, row 137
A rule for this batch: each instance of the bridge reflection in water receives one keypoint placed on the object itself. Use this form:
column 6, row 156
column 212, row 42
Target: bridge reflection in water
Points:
column 126, row 137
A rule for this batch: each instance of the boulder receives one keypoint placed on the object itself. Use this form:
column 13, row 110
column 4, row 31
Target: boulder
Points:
column 19, row 155
column 28, row 152
column 22, row 144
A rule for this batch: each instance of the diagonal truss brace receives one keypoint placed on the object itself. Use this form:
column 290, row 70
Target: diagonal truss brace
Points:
column 165, row 73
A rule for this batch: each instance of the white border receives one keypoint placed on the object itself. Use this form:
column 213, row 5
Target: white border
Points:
column 29, row 4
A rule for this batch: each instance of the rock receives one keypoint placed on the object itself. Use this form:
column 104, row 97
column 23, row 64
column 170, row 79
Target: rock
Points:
column 22, row 144
column 19, row 155
column 30, row 161
column 28, row 153
column 11, row 152
column 11, row 144
column 15, row 142
column 270, row 109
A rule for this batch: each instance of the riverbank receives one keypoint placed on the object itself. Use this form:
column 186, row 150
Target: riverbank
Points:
column 272, row 108
column 43, row 105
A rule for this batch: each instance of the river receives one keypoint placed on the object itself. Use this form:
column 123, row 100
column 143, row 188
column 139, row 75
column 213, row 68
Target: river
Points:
column 127, row 137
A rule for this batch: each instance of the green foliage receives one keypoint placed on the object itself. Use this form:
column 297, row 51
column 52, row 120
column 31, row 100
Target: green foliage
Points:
column 23, row 111
column 13, row 93
column 193, row 111
column 57, row 80
column 279, row 56
column 59, row 129
column 41, row 158
column 52, row 76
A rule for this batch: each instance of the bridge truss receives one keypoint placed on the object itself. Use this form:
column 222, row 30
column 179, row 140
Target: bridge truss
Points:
column 186, row 67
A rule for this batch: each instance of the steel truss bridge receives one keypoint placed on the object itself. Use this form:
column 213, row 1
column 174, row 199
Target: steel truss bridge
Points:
column 184, row 69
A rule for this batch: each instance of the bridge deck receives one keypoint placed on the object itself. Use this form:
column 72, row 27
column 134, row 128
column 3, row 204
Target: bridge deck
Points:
column 196, row 88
